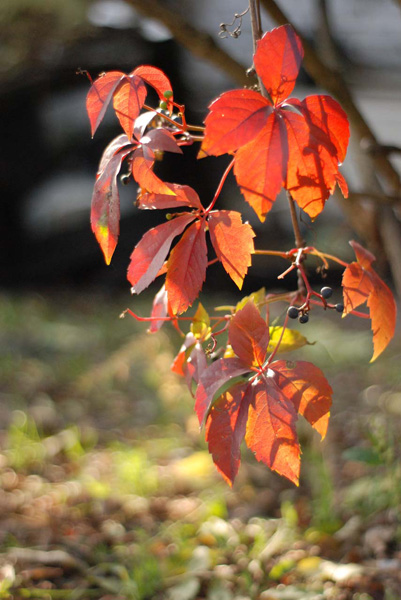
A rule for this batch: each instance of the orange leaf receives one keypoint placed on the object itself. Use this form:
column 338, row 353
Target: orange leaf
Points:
column 150, row 253
column 277, row 61
column 233, row 242
column 362, row 284
column 179, row 195
column 248, row 335
column 260, row 166
column 128, row 100
column 186, row 268
column 234, row 119
column 156, row 78
column 305, row 385
column 225, row 429
column 105, row 208
column 142, row 172
column 270, row 430
column 99, row 96
column 289, row 143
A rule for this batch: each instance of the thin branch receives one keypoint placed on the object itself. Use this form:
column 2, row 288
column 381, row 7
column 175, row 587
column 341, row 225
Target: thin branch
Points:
column 199, row 43
column 299, row 240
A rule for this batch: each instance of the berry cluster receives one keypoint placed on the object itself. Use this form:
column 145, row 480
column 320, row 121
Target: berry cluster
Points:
column 302, row 313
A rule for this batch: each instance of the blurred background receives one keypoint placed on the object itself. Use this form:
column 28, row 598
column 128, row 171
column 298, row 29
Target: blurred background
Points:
column 49, row 160
column 107, row 488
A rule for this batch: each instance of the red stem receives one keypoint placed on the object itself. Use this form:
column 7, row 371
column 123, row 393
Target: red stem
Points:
column 220, row 187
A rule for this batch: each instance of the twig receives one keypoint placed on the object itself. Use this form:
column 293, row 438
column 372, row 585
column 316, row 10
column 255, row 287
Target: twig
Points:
column 199, row 43
column 299, row 240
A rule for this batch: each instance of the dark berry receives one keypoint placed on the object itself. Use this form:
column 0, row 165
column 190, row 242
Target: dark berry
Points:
column 326, row 292
column 292, row 312
column 163, row 105
column 339, row 307
column 303, row 318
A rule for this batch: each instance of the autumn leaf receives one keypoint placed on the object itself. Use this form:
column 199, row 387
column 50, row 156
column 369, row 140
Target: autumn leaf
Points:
column 269, row 401
column 248, row 335
column 105, row 207
column 100, row 95
column 128, row 99
column 233, row 242
column 150, row 253
column 308, row 389
column 270, row 429
column 279, row 141
column 225, row 430
column 362, row 284
column 178, row 195
column 186, row 268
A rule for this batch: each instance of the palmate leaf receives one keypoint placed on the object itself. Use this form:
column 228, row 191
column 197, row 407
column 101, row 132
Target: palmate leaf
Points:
column 280, row 142
column 269, row 402
column 128, row 93
column 362, row 284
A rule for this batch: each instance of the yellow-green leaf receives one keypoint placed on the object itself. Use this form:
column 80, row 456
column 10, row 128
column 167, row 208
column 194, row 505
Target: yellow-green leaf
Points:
column 292, row 339
column 258, row 298
column 200, row 325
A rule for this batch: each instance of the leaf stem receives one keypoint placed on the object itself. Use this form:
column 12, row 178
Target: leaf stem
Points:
column 273, row 354
column 220, row 187
column 272, row 253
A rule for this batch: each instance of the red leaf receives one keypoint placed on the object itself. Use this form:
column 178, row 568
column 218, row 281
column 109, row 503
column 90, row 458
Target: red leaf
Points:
column 142, row 171
column 233, row 242
column 156, row 78
column 159, row 309
column 186, row 268
column 270, row 430
column 99, row 96
column 260, row 167
column 312, row 169
column 277, row 61
column 150, row 253
column 248, row 335
column 235, row 118
column 105, row 210
column 275, row 146
column 212, row 380
column 327, row 122
column 361, row 284
column 225, row 429
column 128, row 100
column 307, row 388
column 180, row 195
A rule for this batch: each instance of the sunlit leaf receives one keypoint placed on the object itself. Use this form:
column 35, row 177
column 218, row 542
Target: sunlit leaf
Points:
column 248, row 335
column 291, row 340
column 362, row 284
column 233, row 242
column 186, row 268
column 150, row 253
